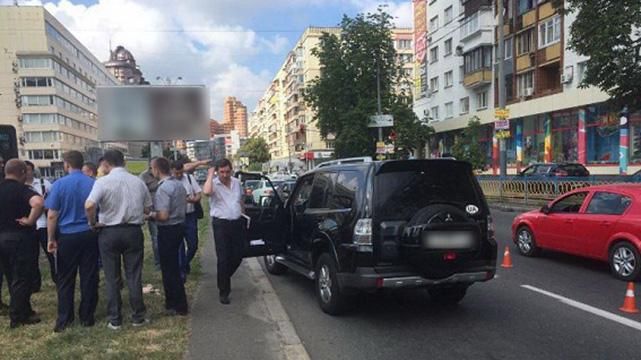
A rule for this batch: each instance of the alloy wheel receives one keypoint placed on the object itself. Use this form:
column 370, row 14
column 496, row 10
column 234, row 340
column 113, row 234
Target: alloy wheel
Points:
column 325, row 284
column 624, row 261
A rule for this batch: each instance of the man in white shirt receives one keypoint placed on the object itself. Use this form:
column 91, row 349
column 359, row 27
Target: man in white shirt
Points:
column 226, row 207
column 194, row 194
column 123, row 200
column 42, row 187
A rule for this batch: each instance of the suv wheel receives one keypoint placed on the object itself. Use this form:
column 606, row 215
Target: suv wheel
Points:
column 272, row 266
column 330, row 297
column 625, row 262
column 525, row 242
column 447, row 296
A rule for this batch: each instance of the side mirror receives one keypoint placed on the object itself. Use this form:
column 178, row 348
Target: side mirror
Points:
column 545, row 209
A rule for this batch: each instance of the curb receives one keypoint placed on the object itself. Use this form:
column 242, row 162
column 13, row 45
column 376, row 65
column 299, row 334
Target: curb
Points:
column 512, row 207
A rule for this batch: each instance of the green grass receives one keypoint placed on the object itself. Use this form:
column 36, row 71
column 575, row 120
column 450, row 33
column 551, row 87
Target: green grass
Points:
column 136, row 167
column 165, row 338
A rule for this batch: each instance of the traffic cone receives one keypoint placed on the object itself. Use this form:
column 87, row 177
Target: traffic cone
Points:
column 629, row 304
column 507, row 258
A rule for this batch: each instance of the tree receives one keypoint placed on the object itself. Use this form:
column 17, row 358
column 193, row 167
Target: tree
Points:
column 609, row 32
column 146, row 151
column 466, row 145
column 345, row 94
column 256, row 150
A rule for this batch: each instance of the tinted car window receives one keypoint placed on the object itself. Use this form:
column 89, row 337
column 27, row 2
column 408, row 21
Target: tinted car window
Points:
column 569, row 204
column 543, row 169
column 300, row 199
column 346, row 189
column 529, row 171
column 320, row 191
column 607, row 203
column 400, row 194
column 575, row 169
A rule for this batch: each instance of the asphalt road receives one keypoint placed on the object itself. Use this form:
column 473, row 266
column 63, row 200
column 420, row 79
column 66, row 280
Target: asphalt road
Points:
column 513, row 316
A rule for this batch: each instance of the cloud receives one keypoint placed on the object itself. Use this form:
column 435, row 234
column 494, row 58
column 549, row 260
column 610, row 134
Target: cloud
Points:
column 401, row 11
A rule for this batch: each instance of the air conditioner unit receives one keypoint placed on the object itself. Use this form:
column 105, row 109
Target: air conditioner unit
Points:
column 529, row 91
column 566, row 78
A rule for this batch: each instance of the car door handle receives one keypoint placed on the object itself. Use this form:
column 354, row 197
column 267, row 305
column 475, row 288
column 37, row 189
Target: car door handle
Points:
column 605, row 223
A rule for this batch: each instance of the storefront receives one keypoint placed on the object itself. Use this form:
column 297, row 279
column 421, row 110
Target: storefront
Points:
column 590, row 135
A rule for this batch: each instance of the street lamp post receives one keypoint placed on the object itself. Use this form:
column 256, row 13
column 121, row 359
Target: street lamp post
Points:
column 155, row 149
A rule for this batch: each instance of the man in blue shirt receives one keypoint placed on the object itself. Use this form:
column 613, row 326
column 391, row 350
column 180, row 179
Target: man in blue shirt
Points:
column 75, row 243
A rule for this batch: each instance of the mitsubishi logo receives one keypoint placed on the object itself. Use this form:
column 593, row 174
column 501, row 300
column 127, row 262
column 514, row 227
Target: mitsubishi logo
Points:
column 448, row 218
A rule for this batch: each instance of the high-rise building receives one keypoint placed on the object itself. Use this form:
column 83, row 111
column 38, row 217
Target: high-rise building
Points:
column 215, row 128
column 122, row 65
column 551, row 119
column 235, row 116
column 284, row 120
column 48, row 80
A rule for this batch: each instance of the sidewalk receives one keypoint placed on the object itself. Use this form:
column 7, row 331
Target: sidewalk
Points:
column 253, row 326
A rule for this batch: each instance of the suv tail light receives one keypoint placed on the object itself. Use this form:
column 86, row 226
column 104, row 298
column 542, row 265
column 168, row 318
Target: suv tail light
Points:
column 490, row 227
column 363, row 232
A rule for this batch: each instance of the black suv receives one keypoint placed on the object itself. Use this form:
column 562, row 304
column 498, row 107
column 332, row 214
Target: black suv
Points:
column 366, row 225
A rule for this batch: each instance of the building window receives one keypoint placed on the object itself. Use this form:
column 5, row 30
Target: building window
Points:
column 35, row 63
column 478, row 59
column 434, row 84
column 526, row 5
column 565, row 136
column 550, row 32
column 461, row 73
column 434, row 54
column 405, row 59
column 37, row 100
column 404, row 44
column 448, row 47
column 448, row 15
column 582, row 67
column 464, row 105
column 470, row 26
column 525, row 84
column 508, row 48
column 434, row 113
column 481, row 100
column 449, row 78
column 524, row 43
column 449, row 110
column 433, row 24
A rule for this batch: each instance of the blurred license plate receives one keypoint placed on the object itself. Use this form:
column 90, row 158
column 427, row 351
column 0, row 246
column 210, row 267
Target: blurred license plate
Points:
column 448, row 240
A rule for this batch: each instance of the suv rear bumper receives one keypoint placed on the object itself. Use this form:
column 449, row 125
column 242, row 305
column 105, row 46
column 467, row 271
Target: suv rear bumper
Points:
column 368, row 278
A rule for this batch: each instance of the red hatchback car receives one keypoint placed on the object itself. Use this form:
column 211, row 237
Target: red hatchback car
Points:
column 599, row 222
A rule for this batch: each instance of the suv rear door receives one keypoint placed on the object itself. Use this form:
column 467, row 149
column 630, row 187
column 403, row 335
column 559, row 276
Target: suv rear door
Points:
column 265, row 235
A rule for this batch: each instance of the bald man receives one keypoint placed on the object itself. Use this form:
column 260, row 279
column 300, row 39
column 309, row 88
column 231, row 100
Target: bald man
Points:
column 18, row 245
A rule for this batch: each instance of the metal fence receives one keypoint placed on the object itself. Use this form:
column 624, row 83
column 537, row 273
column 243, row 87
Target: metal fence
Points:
column 538, row 191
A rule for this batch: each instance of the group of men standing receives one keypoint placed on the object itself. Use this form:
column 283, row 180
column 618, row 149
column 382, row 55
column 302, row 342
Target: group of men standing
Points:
column 89, row 222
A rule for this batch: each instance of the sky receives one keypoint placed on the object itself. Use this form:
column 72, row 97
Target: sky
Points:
column 235, row 47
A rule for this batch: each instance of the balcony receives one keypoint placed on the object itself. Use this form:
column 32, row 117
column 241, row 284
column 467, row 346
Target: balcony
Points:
column 550, row 54
column 524, row 62
column 546, row 10
column 529, row 18
column 478, row 78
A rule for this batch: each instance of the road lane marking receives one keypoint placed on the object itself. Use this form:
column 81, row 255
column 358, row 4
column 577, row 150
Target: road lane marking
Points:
column 587, row 308
column 293, row 348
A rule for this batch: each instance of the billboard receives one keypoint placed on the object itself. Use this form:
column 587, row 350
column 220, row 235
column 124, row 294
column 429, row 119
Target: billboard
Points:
column 152, row 113
column 420, row 30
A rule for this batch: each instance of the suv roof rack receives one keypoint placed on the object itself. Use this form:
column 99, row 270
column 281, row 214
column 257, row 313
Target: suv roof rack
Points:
column 363, row 159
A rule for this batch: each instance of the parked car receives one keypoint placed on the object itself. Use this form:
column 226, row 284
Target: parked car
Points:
column 554, row 169
column 636, row 177
column 599, row 222
column 264, row 190
column 374, row 225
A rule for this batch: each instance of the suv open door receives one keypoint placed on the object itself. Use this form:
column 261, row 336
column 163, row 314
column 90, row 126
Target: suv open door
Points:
column 265, row 235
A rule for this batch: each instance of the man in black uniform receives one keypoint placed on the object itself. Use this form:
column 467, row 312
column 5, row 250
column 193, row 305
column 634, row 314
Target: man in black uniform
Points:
column 18, row 244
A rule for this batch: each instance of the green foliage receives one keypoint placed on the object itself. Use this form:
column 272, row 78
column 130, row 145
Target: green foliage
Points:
column 256, row 150
column 345, row 94
column 466, row 145
column 609, row 32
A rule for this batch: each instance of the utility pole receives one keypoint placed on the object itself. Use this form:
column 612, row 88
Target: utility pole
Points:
column 501, row 84
column 378, row 95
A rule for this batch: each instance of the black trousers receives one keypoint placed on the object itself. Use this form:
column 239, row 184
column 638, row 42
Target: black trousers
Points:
column 170, row 238
column 126, row 243
column 77, row 253
column 41, row 236
column 17, row 250
column 229, row 239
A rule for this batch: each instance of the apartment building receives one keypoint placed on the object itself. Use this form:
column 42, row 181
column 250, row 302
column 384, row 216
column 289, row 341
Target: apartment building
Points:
column 551, row 119
column 284, row 120
column 48, row 85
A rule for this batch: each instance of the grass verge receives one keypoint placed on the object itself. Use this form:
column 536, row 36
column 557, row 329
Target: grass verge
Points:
column 164, row 338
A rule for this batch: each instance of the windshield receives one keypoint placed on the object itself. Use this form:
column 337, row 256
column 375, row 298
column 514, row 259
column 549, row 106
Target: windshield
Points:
column 252, row 184
column 400, row 194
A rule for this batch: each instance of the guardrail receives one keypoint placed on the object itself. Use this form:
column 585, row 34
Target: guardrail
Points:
column 538, row 191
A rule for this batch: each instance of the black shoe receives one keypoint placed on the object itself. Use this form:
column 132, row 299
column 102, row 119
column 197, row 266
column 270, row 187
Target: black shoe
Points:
column 88, row 323
column 224, row 299
column 171, row 312
column 59, row 328
column 34, row 319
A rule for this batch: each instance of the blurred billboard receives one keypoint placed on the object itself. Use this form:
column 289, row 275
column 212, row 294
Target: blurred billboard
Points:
column 153, row 113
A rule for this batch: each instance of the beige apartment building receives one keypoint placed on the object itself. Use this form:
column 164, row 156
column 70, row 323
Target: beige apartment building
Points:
column 48, row 85
column 282, row 117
